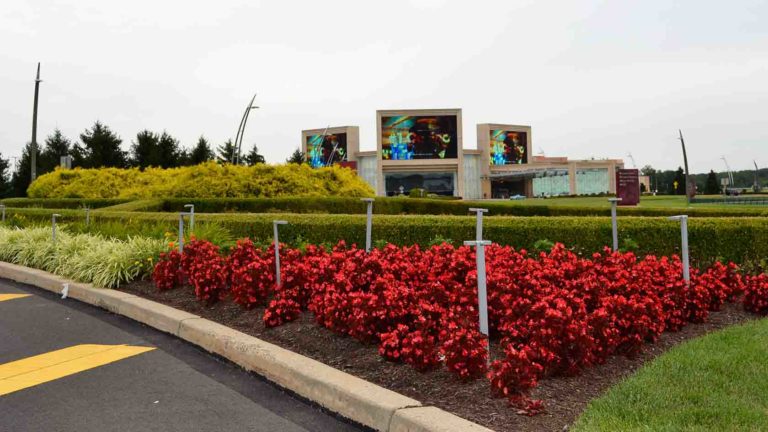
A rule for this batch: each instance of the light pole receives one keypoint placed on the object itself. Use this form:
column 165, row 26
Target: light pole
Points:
column 240, row 131
column 33, row 150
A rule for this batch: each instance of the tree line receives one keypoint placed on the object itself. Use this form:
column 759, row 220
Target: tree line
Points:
column 100, row 147
column 706, row 183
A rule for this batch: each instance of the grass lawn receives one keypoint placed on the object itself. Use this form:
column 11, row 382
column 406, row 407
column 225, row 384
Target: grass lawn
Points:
column 660, row 201
column 717, row 382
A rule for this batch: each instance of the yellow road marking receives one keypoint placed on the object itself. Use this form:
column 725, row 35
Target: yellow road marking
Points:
column 4, row 297
column 29, row 372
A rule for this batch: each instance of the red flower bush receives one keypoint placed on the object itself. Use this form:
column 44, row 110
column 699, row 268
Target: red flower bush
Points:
column 167, row 273
column 552, row 313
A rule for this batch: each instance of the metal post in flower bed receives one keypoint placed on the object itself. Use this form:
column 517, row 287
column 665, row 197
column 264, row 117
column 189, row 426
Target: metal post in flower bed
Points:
column 479, row 222
column 87, row 216
column 368, row 222
column 482, row 295
column 191, row 213
column 277, row 249
column 53, row 227
column 684, row 247
column 181, row 232
column 614, row 223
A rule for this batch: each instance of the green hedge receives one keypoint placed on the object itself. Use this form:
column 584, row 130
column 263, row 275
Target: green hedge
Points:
column 394, row 206
column 737, row 239
column 63, row 203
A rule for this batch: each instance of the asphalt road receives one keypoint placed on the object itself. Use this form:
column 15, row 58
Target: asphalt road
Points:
column 173, row 387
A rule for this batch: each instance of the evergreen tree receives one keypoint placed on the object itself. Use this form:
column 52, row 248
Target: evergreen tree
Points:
column 253, row 157
column 224, row 152
column 201, row 152
column 712, row 186
column 21, row 176
column 169, row 151
column 6, row 189
column 297, row 157
column 102, row 147
column 680, row 179
column 144, row 151
column 56, row 146
column 184, row 157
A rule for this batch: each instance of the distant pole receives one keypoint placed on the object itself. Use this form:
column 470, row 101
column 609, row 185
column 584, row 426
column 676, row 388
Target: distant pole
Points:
column 277, row 249
column 479, row 222
column 33, row 155
column 191, row 208
column 237, row 145
column 689, row 188
column 684, row 239
column 368, row 222
column 53, row 227
column 87, row 216
column 2, row 206
column 614, row 223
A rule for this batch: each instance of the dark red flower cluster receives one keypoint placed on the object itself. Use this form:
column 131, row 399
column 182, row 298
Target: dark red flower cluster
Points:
column 167, row 273
column 553, row 313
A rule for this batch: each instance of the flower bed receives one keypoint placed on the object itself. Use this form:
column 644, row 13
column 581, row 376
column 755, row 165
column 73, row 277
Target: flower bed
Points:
column 553, row 314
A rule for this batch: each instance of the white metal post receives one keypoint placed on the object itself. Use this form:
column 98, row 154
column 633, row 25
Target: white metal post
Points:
column 277, row 250
column 181, row 232
column 53, row 227
column 482, row 295
column 479, row 222
column 684, row 237
column 87, row 216
column 191, row 208
column 368, row 222
column 614, row 223
column 2, row 206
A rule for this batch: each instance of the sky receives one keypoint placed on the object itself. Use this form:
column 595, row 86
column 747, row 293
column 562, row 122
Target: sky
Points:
column 598, row 79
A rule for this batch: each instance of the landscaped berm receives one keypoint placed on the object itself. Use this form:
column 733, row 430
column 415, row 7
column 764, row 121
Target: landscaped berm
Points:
column 568, row 325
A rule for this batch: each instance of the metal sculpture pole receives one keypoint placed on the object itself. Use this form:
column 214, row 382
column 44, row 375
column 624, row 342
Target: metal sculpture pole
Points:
column 240, row 132
column 33, row 150
column 479, row 222
column 181, row 232
column 482, row 294
column 191, row 208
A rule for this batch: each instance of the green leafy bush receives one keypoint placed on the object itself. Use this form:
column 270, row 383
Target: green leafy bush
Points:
column 64, row 203
column 104, row 262
column 201, row 181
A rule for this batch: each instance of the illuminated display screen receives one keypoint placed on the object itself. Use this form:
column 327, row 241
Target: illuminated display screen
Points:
column 508, row 148
column 326, row 150
column 419, row 137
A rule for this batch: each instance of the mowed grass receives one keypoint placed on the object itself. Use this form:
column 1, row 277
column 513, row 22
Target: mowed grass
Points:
column 718, row 382
column 659, row 201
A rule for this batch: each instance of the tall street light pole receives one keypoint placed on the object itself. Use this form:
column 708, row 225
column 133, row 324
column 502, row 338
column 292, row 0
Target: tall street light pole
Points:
column 33, row 150
column 240, row 131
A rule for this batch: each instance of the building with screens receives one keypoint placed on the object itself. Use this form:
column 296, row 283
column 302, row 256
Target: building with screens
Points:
column 424, row 149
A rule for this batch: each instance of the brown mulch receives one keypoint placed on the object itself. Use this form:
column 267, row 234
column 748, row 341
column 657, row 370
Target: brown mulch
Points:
column 564, row 397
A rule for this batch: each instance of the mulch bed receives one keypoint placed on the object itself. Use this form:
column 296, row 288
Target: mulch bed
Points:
column 564, row 397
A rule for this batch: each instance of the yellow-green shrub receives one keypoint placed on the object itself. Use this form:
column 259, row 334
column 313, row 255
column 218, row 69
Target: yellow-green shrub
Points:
column 206, row 180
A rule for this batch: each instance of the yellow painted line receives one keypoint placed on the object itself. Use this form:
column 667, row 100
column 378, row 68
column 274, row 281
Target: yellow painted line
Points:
column 4, row 297
column 29, row 372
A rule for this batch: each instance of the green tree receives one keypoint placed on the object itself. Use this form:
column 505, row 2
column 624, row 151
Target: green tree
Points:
column 169, row 151
column 224, row 152
column 6, row 188
column 102, row 147
column 21, row 175
column 297, row 157
column 201, row 152
column 56, row 146
column 253, row 157
column 679, row 179
column 144, row 150
column 712, row 186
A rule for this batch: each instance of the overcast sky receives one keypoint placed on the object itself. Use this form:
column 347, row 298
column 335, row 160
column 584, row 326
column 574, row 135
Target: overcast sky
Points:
column 592, row 78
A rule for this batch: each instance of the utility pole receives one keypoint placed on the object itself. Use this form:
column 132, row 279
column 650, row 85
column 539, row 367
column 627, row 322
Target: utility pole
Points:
column 689, row 188
column 33, row 150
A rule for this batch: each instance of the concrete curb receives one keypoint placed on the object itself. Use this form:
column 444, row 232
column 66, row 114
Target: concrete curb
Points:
column 351, row 397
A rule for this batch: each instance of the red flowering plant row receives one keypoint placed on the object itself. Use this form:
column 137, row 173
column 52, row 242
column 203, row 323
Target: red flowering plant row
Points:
column 553, row 313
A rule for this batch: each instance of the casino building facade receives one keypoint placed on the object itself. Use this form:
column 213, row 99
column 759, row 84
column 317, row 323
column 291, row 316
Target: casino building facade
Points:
column 424, row 149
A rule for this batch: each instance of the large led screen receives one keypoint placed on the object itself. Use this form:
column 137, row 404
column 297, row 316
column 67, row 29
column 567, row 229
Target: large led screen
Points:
column 419, row 137
column 326, row 150
column 508, row 147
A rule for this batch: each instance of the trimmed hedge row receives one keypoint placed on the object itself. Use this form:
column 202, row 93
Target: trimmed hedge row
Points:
column 734, row 239
column 396, row 206
column 63, row 203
